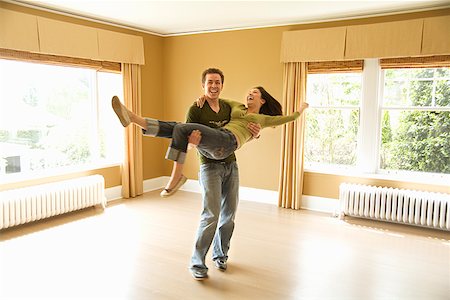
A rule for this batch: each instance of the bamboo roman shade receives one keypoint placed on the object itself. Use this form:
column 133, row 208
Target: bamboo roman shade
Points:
column 24, row 32
column 60, row 60
column 410, row 38
column 439, row 61
column 335, row 66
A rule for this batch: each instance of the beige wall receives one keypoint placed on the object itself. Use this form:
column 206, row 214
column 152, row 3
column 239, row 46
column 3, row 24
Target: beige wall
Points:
column 249, row 58
column 171, row 82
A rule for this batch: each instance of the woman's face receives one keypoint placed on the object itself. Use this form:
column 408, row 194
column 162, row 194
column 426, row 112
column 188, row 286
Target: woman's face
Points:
column 254, row 98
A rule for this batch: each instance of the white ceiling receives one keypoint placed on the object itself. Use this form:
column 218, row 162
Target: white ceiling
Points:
column 181, row 17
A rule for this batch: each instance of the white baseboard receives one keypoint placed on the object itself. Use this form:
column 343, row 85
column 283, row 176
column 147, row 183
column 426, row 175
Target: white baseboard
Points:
column 321, row 204
column 155, row 183
column 258, row 195
column 113, row 193
column 328, row 205
column 192, row 186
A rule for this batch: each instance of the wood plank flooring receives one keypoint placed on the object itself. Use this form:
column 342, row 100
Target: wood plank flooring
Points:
column 140, row 249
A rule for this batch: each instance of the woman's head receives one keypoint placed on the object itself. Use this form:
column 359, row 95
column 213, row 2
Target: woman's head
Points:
column 268, row 105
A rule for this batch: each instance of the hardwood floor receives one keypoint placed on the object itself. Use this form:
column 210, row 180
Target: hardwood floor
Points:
column 140, row 249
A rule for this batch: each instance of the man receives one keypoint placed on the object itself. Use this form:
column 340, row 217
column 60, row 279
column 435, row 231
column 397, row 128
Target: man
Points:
column 219, row 180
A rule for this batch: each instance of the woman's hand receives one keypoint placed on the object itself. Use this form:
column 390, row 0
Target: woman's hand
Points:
column 303, row 106
column 200, row 101
column 254, row 129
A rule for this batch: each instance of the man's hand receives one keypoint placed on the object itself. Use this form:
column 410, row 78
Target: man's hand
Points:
column 195, row 138
column 254, row 129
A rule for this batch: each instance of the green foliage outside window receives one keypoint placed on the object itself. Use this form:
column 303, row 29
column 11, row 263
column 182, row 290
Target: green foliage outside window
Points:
column 333, row 118
column 421, row 140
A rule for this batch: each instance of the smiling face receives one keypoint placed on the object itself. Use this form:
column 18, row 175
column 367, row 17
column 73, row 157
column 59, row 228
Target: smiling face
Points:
column 254, row 100
column 212, row 86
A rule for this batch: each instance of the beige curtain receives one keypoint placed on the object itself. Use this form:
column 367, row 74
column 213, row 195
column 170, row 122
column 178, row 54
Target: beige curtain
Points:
column 132, row 174
column 291, row 172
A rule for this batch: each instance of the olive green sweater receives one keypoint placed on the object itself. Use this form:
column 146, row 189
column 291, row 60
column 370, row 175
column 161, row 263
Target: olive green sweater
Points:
column 240, row 119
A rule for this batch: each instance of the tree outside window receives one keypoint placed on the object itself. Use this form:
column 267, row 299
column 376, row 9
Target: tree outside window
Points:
column 332, row 119
column 415, row 131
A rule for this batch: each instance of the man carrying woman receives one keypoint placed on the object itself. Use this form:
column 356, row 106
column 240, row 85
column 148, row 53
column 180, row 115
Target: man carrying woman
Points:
column 219, row 176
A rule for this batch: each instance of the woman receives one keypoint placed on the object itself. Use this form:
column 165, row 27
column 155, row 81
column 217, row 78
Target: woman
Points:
column 261, row 108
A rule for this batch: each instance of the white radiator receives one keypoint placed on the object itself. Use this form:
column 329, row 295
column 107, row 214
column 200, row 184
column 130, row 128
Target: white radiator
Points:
column 395, row 205
column 19, row 206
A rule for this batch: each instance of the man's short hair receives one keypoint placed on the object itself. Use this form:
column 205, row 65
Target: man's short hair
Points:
column 212, row 71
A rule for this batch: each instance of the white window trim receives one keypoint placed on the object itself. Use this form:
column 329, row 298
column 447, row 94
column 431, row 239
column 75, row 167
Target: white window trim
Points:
column 370, row 114
column 369, row 137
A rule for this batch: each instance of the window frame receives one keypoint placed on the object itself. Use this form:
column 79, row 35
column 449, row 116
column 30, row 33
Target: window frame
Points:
column 428, row 176
column 369, row 133
column 99, row 66
column 352, row 66
column 342, row 108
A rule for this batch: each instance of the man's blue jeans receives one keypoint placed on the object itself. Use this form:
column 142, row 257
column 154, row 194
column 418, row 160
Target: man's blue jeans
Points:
column 219, row 182
column 220, row 191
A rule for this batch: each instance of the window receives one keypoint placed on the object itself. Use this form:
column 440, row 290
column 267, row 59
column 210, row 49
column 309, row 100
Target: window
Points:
column 332, row 119
column 56, row 117
column 388, row 119
column 415, row 123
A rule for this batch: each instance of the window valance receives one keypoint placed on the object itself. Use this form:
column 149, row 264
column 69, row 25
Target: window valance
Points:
column 313, row 45
column 417, row 37
column 25, row 32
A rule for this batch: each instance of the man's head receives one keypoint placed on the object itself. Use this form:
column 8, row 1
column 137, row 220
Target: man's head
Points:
column 212, row 83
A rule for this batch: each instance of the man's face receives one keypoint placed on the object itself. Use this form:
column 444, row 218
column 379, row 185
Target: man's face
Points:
column 212, row 86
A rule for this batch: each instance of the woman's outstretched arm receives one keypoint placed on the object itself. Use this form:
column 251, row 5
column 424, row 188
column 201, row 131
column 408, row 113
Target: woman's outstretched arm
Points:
column 269, row 121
